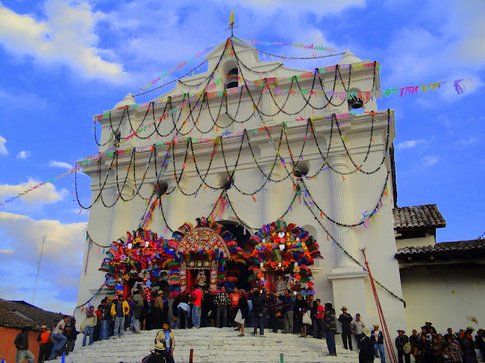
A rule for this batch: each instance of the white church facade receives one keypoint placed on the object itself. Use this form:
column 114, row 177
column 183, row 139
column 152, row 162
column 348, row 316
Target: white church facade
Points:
column 276, row 142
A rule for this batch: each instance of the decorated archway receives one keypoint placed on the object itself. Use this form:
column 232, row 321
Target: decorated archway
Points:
column 205, row 254
column 277, row 257
column 282, row 256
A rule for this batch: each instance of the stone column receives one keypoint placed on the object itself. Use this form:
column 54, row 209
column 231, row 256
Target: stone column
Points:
column 341, row 207
column 348, row 278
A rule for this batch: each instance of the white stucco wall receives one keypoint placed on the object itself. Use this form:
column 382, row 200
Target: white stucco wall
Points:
column 428, row 240
column 446, row 295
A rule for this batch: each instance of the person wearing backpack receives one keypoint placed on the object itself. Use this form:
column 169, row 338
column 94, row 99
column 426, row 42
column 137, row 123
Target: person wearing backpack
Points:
column 403, row 347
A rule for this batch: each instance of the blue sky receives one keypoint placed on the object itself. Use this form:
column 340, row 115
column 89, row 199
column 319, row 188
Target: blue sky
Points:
column 61, row 62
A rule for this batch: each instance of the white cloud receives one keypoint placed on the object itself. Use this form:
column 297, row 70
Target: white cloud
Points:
column 450, row 49
column 429, row 160
column 60, row 265
column 46, row 194
column 63, row 241
column 183, row 32
column 470, row 140
column 65, row 37
column 60, row 164
column 409, row 144
column 6, row 251
column 23, row 154
column 316, row 7
column 3, row 147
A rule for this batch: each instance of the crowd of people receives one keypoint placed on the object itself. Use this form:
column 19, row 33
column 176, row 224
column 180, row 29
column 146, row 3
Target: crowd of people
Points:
column 52, row 343
column 428, row 346
column 289, row 312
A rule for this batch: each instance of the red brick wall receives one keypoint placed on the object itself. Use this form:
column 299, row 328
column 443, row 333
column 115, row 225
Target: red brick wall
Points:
column 7, row 348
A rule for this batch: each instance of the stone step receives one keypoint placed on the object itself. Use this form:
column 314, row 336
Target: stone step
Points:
column 213, row 345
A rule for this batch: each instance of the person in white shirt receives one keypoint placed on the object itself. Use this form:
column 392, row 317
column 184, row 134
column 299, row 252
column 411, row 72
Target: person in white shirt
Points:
column 58, row 338
column 357, row 327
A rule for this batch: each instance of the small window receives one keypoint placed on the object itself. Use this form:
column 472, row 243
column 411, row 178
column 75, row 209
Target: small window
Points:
column 232, row 77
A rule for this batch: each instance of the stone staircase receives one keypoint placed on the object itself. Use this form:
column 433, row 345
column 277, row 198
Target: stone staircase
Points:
column 213, row 345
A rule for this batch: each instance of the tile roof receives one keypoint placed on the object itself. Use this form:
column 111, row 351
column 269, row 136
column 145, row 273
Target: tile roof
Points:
column 420, row 216
column 19, row 314
column 474, row 248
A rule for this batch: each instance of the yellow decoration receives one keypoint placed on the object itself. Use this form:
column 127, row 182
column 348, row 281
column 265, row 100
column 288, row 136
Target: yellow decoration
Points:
column 232, row 19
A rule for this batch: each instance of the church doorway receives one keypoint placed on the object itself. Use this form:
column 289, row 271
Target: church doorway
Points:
column 238, row 273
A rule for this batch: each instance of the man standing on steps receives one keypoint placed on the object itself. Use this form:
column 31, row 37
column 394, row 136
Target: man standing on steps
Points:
column 259, row 303
column 197, row 295
column 378, row 339
column 345, row 320
column 319, row 319
column 287, row 301
column 119, row 308
column 222, row 304
column 137, row 310
column 403, row 347
column 234, row 298
column 330, row 328
column 357, row 327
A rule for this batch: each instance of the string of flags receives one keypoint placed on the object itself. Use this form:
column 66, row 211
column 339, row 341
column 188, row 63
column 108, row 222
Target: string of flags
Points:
column 175, row 68
column 181, row 64
column 38, row 185
column 458, row 85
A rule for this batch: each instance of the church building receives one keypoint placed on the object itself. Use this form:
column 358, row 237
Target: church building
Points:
column 252, row 174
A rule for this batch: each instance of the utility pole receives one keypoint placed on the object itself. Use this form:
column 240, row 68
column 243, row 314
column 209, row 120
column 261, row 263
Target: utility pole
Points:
column 38, row 269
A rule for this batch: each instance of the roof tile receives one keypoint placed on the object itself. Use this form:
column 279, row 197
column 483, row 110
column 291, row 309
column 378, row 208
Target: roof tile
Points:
column 420, row 216
column 455, row 248
column 19, row 314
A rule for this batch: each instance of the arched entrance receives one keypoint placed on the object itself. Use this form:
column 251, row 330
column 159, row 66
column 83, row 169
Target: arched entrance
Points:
column 238, row 272
column 204, row 251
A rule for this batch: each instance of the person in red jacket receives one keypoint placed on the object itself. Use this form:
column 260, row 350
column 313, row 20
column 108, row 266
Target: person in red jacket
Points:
column 319, row 319
column 197, row 295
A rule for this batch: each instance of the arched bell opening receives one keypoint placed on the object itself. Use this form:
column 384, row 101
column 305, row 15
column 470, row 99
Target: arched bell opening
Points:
column 354, row 99
column 231, row 72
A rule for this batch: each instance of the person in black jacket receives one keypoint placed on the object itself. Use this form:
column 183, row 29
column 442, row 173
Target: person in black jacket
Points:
column 345, row 320
column 400, row 341
column 301, row 307
column 330, row 328
column 272, row 311
column 259, row 303
column 207, row 308
column 366, row 353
